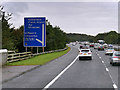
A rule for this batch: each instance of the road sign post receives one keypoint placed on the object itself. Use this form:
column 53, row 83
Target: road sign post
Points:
column 43, row 49
column 35, row 32
column 26, row 49
column 37, row 50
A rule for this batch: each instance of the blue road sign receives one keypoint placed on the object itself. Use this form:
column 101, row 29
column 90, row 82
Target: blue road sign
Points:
column 34, row 32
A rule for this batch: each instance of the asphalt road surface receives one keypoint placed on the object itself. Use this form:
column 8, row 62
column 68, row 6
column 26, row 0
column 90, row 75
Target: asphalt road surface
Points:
column 69, row 72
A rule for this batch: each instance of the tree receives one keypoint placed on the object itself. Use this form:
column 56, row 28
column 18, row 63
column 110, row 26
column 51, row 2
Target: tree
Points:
column 18, row 39
column 7, row 41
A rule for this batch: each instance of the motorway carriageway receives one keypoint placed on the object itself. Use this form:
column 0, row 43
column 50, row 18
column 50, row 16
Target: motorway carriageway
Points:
column 68, row 72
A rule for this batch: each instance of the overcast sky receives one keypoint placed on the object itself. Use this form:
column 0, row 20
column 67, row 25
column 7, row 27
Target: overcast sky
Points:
column 78, row 17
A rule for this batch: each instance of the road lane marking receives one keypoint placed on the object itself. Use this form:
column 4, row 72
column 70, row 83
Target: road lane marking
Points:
column 115, row 86
column 102, row 61
column 58, row 76
column 107, row 69
column 99, row 57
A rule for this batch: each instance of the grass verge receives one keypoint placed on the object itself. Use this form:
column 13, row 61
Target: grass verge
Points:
column 41, row 59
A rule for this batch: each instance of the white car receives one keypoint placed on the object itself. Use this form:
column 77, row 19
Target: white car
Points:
column 105, row 45
column 85, row 53
column 115, row 59
column 109, row 51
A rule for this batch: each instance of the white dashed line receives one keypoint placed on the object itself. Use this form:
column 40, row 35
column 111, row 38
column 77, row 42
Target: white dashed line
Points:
column 107, row 69
column 115, row 86
column 58, row 76
column 102, row 61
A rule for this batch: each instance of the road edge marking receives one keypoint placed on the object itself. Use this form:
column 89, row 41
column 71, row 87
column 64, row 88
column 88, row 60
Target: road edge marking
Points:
column 61, row 73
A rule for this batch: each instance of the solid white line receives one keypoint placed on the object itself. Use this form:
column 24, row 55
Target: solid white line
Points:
column 115, row 86
column 58, row 76
column 107, row 69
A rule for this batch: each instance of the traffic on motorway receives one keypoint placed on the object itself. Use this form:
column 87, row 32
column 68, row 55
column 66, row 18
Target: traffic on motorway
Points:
column 85, row 51
column 84, row 66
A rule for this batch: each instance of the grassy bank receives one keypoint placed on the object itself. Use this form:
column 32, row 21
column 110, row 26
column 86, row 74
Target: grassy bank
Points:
column 41, row 59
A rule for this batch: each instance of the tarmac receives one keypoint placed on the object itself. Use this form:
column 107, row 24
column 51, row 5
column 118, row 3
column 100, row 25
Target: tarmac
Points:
column 10, row 72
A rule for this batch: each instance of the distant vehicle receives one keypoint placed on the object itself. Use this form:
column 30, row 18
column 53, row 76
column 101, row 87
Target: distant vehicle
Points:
column 85, row 54
column 85, row 43
column 77, row 42
column 96, row 45
column 73, row 44
column 110, row 46
column 105, row 45
column 101, row 47
column 85, row 47
column 81, row 46
column 109, row 51
column 92, row 45
column 101, row 42
column 115, row 59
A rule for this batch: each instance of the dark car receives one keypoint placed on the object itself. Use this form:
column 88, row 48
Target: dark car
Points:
column 100, row 48
column 81, row 46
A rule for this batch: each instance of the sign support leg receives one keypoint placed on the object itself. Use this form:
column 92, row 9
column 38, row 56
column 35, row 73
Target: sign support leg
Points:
column 43, row 49
column 26, row 49
column 37, row 50
column 32, row 50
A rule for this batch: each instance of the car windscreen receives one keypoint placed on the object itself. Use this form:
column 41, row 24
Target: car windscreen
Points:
column 84, row 50
column 117, row 54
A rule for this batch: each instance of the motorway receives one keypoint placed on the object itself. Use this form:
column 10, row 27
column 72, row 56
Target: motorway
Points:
column 68, row 72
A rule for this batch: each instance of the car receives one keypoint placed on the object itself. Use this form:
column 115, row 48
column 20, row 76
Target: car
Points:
column 109, row 51
column 85, row 47
column 115, row 59
column 85, row 54
column 110, row 46
column 101, row 47
column 105, row 45
column 92, row 45
column 81, row 46
column 96, row 45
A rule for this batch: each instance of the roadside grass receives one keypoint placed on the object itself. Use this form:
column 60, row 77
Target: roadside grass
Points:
column 40, row 60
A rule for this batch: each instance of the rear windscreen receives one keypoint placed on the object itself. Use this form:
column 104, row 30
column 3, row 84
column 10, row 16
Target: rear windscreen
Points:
column 84, row 50
column 117, row 54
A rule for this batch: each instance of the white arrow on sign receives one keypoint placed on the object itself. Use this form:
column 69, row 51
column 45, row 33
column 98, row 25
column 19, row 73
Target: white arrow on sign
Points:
column 42, row 36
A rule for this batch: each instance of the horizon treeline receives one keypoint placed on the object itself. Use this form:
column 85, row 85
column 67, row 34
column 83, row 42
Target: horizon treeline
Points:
column 111, row 37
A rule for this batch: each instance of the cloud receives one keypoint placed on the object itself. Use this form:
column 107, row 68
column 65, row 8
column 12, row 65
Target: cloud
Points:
column 16, row 7
column 81, row 17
